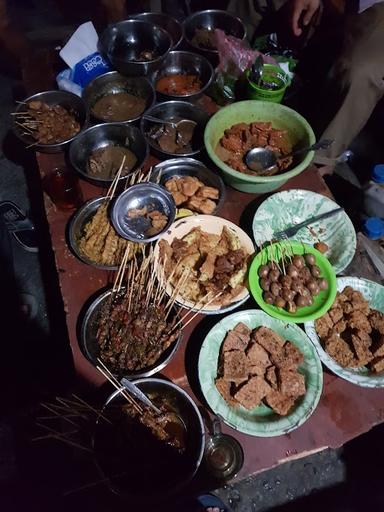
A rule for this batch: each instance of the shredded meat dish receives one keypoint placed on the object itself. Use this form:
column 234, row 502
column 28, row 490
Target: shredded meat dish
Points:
column 242, row 137
column 258, row 366
column 352, row 333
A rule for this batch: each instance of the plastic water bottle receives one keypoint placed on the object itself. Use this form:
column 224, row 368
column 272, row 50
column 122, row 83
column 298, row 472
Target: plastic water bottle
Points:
column 374, row 193
column 374, row 228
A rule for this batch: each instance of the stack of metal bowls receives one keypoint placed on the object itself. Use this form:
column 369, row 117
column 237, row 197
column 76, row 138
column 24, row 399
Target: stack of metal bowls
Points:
column 212, row 19
column 123, row 42
column 169, row 24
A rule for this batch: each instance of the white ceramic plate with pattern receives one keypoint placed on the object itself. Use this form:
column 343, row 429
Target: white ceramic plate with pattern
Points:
column 374, row 293
column 291, row 207
column 209, row 224
column 260, row 421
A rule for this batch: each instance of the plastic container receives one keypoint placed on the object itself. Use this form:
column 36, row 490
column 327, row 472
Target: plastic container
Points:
column 274, row 75
column 374, row 193
column 374, row 228
column 283, row 118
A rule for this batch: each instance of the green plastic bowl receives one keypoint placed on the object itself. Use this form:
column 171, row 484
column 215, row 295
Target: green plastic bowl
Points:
column 273, row 74
column 249, row 111
column 322, row 302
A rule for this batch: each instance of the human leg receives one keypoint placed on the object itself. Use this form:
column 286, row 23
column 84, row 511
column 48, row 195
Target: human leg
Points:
column 359, row 76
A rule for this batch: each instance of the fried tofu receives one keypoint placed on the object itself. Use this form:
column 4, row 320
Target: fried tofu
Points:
column 376, row 319
column 335, row 314
column 363, row 354
column 377, row 365
column 358, row 320
column 271, row 377
column 224, row 388
column 323, row 325
column 189, row 185
column 246, row 375
column 208, row 192
column 291, row 383
column 207, row 269
column 251, row 394
column 378, row 346
column 179, row 198
column 293, row 356
column 279, row 402
column 235, row 366
column 201, row 205
column 190, row 192
column 243, row 329
column 258, row 359
column 349, row 332
column 339, row 349
column 235, row 341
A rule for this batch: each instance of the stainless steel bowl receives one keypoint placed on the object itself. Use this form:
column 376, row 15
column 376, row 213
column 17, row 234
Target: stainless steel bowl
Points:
column 171, row 25
column 181, row 110
column 100, row 136
column 141, row 464
column 123, row 42
column 177, row 167
column 90, row 346
column 76, row 228
column 112, row 83
column 211, row 19
column 185, row 63
column 139, row 196
column 65, row 99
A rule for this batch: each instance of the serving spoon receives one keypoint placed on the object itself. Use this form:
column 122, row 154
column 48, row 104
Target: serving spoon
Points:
column 263, row 160
column 183, row 123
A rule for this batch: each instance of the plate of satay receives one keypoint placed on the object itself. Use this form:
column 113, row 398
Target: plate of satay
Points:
column 203, row 263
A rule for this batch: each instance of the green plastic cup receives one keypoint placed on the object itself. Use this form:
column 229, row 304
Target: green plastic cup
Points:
column 274, row 75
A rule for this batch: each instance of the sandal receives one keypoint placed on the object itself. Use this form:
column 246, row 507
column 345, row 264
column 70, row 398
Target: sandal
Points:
column 19, row 225
column 212, row 503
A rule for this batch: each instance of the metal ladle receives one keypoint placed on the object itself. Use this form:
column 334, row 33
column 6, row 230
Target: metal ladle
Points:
column 263, row 160
column 183, row 123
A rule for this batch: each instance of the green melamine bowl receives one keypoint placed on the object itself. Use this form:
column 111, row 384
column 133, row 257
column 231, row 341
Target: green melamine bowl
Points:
column 321, row 303
column 281, row 117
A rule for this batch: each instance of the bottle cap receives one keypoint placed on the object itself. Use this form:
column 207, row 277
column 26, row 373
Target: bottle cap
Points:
column 378, row 173
column 374, row 228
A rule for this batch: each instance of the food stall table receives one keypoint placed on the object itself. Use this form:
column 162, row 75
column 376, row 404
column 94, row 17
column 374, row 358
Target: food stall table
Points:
column 344, row 411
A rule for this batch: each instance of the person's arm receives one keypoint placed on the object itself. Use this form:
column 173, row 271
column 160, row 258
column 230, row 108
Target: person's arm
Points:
column 302, row 10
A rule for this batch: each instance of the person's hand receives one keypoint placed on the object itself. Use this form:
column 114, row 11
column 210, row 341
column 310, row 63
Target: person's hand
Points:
column 305, row 9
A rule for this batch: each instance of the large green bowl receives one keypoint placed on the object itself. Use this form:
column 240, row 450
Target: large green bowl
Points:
column 321, row 303
column 282, row 117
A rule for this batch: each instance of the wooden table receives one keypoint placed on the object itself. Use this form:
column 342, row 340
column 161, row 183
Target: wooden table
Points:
column 344, row 412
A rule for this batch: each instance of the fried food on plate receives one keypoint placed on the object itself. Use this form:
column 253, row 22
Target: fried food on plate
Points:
column 203, row 266
column 258, row 367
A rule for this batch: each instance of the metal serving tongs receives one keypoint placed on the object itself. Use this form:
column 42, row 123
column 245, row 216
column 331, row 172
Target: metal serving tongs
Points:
column 137, row 393
column 169, row 416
